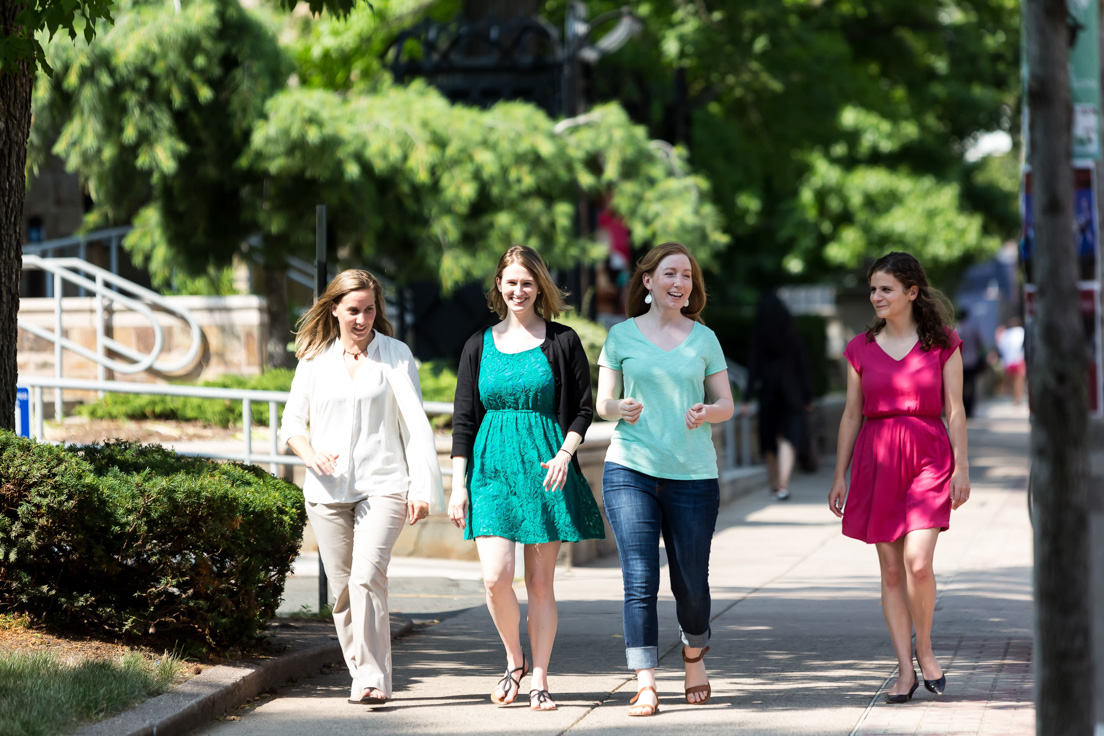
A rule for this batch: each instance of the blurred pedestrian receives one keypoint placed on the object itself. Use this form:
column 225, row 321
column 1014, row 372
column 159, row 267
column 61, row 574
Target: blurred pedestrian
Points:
column 908, row 471
column 656, row 373
column 523, row 404
column 974, row 350
column 778, row 377
column 1010, row 348
column 355, row 417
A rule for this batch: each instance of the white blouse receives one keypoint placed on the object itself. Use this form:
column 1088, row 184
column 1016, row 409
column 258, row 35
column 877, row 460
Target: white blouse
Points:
column 359, row 419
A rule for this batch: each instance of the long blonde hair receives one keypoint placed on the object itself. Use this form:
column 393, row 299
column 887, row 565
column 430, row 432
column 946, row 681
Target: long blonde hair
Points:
column 318, row 327
column 635, row 305
column 549, row 302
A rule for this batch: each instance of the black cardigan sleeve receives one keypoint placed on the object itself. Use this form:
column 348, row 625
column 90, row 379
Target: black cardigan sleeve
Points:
column 581, row 398
column 467, row 409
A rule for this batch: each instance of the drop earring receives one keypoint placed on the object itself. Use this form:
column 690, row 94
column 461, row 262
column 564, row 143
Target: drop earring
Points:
column 686, row 304
column 648, row 298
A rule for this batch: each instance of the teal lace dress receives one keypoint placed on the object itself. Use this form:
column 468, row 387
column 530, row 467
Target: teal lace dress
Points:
column 518, row 433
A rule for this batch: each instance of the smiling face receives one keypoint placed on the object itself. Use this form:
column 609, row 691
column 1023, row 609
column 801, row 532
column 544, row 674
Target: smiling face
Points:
column 671, row 282
column 518, row 288
column 890, row 298
column 356, row 313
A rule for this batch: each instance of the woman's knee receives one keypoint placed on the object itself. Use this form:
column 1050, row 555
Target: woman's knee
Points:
column 921, row 570
column 893, row 576
column 497, row 583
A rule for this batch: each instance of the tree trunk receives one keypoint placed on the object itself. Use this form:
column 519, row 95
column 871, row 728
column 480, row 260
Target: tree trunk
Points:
column 279, row 327
column 1059, row 434
column 16, row 83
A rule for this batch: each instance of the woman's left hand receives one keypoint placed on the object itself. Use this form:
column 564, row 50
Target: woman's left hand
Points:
column 695, row 416
column 416, row 511
column 556, row 477
column 960, row 487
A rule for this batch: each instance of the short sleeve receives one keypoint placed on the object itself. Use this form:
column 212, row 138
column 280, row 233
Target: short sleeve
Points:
column 610, row 356
column 954, row 344
column 714, row 359
column 851, row 352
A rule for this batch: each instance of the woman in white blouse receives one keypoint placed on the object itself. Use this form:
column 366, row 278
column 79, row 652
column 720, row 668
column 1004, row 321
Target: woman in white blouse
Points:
column 355, row 418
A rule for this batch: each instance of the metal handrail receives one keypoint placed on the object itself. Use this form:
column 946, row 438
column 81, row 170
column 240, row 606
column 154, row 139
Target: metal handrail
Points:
column 141, row 302
column 112, row 236
column 248, row 397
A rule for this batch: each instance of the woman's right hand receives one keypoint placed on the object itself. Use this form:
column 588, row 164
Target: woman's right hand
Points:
column 323, row 463
column 458, row 507
column 837, row 497
column 630, row 409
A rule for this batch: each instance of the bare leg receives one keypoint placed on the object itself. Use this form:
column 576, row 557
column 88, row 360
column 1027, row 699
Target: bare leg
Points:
column 644, row 678
column 540, row 572
column 919, row 550
column 895, row 608
column 786, row 457
column 496, row 557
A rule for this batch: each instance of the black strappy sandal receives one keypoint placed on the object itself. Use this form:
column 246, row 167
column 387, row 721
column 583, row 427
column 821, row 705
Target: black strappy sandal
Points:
column 537, row 699
column 506, row 681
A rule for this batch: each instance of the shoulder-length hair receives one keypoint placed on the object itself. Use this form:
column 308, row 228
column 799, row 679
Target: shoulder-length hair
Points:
column 634, row 304
column 549, row 303
column 931, row 309
column 318, row 327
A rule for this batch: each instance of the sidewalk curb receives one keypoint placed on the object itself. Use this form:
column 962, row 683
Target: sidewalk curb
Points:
column 219, row 689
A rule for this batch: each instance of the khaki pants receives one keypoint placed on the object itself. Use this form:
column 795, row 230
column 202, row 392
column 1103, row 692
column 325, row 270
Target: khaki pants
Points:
column 355, row 541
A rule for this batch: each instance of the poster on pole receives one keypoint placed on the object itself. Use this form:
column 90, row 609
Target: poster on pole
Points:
column 1084, row 71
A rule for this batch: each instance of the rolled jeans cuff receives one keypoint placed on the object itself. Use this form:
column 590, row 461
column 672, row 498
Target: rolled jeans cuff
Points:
column 642, row 658
column 697, row 641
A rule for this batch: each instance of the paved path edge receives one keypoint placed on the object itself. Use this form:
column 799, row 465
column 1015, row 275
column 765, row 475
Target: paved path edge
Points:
column 219, row 689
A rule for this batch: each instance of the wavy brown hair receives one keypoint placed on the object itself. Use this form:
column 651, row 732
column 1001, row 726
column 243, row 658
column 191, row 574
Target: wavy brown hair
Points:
column 318, row 327
column 549, row 303
column 931, row 309
column 634, row 304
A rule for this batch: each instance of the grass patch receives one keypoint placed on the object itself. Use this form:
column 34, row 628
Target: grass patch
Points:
column 40, row 695
column 307, row 613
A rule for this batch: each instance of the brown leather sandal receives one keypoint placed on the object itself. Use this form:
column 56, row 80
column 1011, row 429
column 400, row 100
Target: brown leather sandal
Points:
column 697, row 688
column 651, row 709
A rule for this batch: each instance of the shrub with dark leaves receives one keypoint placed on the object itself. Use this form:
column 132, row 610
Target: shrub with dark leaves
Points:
column 136, row 539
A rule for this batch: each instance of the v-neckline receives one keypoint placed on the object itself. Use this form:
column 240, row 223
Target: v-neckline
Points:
column 897, row 360
column 693, row 326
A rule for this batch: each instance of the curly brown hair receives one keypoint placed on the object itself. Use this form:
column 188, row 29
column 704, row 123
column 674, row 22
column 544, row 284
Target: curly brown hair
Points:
column 931, row 309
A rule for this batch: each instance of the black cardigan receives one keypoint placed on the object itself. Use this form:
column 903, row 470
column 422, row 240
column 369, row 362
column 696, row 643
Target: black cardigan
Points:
column 570, row 370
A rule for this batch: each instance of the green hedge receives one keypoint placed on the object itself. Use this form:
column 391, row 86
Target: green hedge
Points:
column 133, row 539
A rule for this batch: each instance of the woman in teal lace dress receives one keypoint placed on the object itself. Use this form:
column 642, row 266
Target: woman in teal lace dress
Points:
column 523, row 404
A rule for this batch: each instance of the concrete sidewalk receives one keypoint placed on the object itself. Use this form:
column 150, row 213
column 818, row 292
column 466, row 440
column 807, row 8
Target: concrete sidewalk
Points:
column 799, row 644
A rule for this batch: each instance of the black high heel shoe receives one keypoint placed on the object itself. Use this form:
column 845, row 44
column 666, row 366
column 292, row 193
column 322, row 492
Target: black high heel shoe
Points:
column 936, row 686
column 933, row 686
column 903, row 698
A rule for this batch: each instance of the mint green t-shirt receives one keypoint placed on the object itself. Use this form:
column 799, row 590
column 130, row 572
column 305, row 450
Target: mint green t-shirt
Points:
column 667, row 383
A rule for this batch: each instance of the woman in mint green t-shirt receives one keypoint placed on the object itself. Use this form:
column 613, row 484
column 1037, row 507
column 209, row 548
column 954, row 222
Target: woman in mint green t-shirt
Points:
column 662, row 375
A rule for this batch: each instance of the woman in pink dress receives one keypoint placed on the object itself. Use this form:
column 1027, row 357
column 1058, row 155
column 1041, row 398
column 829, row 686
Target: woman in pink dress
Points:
column 908, row 471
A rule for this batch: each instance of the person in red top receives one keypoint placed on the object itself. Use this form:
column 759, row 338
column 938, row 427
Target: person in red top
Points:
column 908, row 471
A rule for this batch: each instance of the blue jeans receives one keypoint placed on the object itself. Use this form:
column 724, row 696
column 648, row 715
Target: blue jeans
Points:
column 640, row 508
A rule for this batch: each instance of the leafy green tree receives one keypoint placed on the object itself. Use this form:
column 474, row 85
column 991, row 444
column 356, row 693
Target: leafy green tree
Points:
column 779, row 97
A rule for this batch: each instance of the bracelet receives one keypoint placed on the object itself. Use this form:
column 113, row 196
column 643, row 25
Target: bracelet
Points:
column 569, row 455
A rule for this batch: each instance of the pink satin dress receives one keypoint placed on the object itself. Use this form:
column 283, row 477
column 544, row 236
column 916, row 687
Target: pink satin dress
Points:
column 902, row 462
